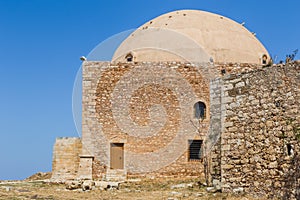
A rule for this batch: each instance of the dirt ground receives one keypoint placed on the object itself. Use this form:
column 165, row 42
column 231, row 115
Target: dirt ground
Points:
column 150, row 189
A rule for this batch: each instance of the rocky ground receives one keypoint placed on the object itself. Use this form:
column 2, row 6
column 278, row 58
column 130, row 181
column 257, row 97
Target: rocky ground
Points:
column 132, row 189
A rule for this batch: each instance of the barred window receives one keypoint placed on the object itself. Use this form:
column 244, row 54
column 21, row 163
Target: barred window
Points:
column 195, row 153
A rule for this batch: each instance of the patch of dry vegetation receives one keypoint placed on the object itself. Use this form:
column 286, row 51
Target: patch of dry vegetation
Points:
column 150, row 189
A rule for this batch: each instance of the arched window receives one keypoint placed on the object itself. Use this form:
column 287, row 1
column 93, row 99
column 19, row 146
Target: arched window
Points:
column 129, row 57
column 264, row 59
column 200, row 110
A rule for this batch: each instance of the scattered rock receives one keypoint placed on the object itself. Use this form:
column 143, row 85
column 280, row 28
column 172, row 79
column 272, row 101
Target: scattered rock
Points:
column 88, row 185
column 217, row 184
column 113, row 185
column 238, row 190
column 202, row 184
column 199, row 194
column 7, row 189
column 101, row 184
column 186, row 195
column 211, row 189
column 219, row 188
column 174, row 193
column 182, row 185
column 73, row 185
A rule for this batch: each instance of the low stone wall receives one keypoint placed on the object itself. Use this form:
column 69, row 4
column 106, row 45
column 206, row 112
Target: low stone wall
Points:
column 65, row 162
column 260, row 141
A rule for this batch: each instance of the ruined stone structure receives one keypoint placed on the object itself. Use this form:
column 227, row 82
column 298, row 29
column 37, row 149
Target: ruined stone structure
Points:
column 261, row 135
column 65, row 158
column 188, row 93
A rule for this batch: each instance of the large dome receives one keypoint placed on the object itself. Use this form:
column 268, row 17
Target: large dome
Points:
column 192, row 35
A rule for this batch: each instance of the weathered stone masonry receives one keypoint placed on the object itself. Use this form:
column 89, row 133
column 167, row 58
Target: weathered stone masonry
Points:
column 174, row 87
column 66, row 153
column 140, row 117
column 260, row 139
column 253, row 125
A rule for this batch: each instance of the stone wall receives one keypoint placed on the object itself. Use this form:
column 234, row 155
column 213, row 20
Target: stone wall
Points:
column 251, row 131
column 65, row 162
column 261, row 135
column 236, row 68
column 213, row 142
column 147, row 106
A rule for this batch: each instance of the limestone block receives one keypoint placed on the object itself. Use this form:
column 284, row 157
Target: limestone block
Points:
column 240, row 84
column 227, row 166
column 273, row 165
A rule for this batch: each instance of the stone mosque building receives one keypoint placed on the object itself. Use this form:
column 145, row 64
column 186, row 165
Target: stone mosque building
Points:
column 188, row 93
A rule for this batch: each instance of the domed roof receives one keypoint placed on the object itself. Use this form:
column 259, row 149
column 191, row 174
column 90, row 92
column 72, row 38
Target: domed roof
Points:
column 192, row 35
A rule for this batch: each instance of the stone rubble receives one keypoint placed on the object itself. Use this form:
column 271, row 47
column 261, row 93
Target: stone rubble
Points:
column 182, row 185
column 86, row 185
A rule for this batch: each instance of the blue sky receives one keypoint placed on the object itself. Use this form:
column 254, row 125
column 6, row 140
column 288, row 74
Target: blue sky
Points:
column 40, row 45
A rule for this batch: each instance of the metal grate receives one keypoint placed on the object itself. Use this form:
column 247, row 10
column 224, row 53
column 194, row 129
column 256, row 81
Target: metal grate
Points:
column 195, row 150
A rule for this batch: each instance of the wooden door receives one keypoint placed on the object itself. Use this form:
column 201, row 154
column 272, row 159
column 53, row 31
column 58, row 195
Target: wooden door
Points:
column 117, row 156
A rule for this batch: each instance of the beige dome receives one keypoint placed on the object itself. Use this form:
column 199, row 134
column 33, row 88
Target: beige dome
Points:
column 192, row 35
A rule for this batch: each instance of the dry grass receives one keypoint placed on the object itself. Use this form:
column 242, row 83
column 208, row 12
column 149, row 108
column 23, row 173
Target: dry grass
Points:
column 146, row 189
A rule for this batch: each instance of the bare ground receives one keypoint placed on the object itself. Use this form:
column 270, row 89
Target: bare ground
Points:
column 150, row 189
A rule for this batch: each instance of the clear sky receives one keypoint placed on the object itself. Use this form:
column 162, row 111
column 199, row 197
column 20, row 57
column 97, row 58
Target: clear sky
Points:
column 40, row 45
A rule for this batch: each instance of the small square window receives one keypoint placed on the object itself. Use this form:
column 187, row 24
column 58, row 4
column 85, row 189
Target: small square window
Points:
column 195, row 153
